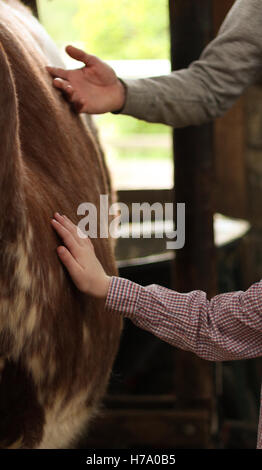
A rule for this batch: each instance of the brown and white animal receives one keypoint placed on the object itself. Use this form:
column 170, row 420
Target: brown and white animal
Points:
column 57, row 345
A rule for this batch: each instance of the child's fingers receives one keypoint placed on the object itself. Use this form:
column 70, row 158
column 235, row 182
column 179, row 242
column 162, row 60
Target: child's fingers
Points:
column 57, row 72
column 68, row 224
column 74, row 230
column 70, row 263
column 68, row 239
column 74, row 227
column 85, row 238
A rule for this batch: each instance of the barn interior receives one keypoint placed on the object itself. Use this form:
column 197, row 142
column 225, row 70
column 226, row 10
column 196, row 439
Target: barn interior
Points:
column 158, row 396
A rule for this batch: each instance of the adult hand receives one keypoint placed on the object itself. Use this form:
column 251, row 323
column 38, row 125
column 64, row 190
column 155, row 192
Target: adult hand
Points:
column 94, row 88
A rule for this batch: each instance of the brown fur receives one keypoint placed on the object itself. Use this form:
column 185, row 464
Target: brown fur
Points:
column 57, row 345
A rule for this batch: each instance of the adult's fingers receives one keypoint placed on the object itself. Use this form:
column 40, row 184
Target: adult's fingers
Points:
column 79, row 54
column 78, row 106
column 57, row 72
column 63, row 85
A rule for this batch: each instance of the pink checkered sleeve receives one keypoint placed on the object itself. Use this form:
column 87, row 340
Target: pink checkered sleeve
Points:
column 227, row 327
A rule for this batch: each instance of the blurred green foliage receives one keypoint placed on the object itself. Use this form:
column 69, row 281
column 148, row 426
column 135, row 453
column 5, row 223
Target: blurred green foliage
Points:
column 112, row 29
column 124, row 29
column 57, row 18
column 129, row 125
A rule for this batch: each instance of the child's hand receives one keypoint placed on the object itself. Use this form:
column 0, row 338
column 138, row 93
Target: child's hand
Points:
column 79, row 258
column 93, row 89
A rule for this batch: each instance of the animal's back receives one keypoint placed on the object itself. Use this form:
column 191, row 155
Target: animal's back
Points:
column 56, row 345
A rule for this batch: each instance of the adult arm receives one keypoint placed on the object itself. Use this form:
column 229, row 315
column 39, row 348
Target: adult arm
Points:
column 210, row 85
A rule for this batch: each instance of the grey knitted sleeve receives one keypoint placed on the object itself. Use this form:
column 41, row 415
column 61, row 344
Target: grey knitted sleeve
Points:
column 210, row 85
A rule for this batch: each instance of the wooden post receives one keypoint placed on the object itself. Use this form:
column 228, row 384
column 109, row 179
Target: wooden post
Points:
column 230, row 146
column 195, row 267
column 191, row 27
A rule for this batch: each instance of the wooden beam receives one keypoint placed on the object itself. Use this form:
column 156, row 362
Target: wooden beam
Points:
column 195, row 268
column 155, row 428
column 191, row 28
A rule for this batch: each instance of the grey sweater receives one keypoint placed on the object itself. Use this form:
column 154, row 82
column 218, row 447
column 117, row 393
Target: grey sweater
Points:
column 210, row 85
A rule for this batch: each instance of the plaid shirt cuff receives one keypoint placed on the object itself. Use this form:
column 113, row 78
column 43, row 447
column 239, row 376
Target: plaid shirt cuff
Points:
column 123, row 296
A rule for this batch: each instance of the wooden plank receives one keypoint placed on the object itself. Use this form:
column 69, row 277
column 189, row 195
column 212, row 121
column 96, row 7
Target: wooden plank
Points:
column 140, row 401
column 151, row 428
